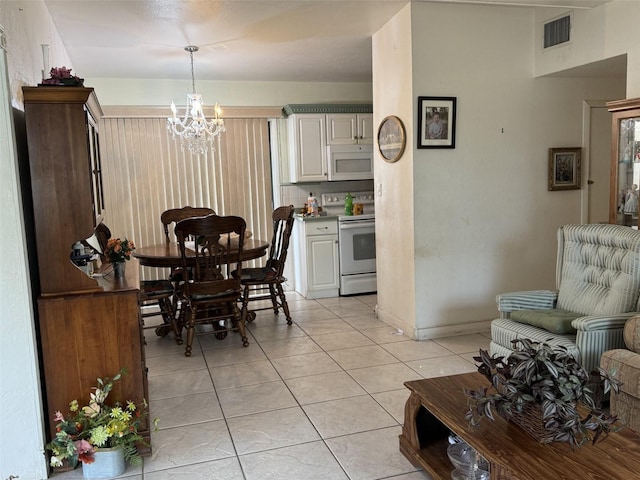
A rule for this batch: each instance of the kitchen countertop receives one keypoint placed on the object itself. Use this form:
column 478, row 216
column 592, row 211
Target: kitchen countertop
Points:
column 309, row 218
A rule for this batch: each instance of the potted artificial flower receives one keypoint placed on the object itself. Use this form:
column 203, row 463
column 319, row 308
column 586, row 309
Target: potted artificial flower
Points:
column 62, row 76
column 98, row 435
column 117, row 252
column 546, row 391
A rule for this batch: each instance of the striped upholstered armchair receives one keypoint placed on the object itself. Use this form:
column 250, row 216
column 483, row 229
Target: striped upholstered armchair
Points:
column 598, row 289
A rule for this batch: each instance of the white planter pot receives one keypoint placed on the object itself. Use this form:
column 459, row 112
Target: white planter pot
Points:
column 109, row 464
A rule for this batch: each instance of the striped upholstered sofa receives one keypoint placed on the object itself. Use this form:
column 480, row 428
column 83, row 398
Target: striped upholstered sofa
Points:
column 598, row 289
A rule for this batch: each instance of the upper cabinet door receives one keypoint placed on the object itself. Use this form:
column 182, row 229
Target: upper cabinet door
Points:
column 342, row 129
column 308, row 155
column 365, row 128
column 625, row 162
column 349, row 128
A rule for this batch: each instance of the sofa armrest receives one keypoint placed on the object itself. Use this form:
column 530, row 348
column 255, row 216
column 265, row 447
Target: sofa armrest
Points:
column 526, row 300
column 598, row 333
column 602, row 322
column 632, row 334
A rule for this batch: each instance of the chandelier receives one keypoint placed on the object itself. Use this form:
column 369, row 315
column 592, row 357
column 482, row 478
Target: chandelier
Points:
column 194, row 129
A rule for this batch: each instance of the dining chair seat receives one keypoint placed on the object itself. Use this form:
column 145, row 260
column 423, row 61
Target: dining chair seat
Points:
column 156, row 288
column 258, row 275
column 160, row 293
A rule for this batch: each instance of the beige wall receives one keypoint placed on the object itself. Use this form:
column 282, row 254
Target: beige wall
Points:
column 162, row 92
column 484, row 222
column 395, row 207
column 596, row 34
column 27, row 25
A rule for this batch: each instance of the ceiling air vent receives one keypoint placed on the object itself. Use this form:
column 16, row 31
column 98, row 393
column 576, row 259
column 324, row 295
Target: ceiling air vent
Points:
column 557, row 31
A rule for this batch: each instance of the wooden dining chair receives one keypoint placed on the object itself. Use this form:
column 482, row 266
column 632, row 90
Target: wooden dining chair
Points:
column 265, row 283
column 174, row 215
column 210, row 293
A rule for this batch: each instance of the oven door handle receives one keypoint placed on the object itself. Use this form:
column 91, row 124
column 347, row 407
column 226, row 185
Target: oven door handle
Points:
column 356, row 224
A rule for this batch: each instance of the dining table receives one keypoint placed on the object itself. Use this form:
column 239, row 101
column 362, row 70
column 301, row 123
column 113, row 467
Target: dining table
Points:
column 167, row 254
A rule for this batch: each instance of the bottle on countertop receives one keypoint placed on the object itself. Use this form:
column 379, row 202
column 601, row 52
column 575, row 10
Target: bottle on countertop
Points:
column 312, row 205
column 348, row 204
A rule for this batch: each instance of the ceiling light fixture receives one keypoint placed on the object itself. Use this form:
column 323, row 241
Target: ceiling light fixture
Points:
column 194, row 129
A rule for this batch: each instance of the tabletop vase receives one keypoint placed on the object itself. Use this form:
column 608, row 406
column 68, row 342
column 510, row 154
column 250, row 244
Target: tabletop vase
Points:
column 109, row 463
column 119, row 269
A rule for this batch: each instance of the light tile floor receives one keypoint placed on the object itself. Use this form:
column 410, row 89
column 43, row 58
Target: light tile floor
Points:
column 321, row 399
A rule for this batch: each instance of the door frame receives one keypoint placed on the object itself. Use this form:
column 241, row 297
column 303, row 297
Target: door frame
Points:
column 587, row 106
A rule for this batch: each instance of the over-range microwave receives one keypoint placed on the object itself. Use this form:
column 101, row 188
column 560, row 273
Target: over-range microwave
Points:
column 350, row 162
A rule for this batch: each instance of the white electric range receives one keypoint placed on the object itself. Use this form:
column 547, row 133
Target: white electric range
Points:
column 357, row 242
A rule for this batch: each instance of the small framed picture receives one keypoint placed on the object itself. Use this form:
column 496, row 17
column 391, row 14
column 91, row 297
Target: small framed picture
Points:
column 436, row 122
column 564, row 168
column 391, row 138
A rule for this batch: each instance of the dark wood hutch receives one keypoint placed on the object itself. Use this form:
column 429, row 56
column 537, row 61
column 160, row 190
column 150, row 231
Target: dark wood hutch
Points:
column 89, row 327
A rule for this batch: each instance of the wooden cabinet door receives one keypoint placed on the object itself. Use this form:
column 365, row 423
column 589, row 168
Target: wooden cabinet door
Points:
column 85, row 337
column 60, row 142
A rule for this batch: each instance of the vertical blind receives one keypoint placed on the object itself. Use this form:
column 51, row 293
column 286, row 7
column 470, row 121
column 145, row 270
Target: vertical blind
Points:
column 145, row 172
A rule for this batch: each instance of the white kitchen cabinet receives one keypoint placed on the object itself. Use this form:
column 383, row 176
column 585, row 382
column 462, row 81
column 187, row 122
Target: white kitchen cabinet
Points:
column 307, row 143
column 350, row 129
column 316, row 258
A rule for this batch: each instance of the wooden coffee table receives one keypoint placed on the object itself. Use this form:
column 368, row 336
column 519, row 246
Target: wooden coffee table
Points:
column 437, row 407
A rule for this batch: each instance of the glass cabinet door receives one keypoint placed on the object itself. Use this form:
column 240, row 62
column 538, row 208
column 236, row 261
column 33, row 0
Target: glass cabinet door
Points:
column 625, row 162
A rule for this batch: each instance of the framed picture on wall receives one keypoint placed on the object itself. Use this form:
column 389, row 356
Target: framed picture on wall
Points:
column 564, row 168
column 436, row 122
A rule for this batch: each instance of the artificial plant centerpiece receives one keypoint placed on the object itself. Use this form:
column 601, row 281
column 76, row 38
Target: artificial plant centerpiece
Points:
column 87, row 429
column 63, row 76
column 546, row 391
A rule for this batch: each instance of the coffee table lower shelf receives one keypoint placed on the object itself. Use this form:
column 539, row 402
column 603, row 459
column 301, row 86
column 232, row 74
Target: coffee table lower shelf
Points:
column 432, row 458
column 436, row 408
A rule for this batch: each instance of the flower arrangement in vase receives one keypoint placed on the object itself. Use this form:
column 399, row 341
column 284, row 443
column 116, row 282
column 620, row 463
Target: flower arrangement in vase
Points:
column 118, row 251
column 62, row 76
column 86, row 429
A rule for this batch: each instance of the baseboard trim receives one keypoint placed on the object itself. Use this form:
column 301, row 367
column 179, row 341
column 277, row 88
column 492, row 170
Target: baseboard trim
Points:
column 428, row 333
column 451, row 330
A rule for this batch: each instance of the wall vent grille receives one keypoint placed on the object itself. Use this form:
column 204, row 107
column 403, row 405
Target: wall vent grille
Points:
column 557, row 31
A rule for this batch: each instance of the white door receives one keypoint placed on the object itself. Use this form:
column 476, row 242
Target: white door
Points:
column 599, row 165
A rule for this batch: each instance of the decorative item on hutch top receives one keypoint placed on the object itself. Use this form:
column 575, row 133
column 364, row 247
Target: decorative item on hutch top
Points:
column 565, row 169
column 391, row 138
column 436, row 122
column 194, row 128
column 62, row 76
